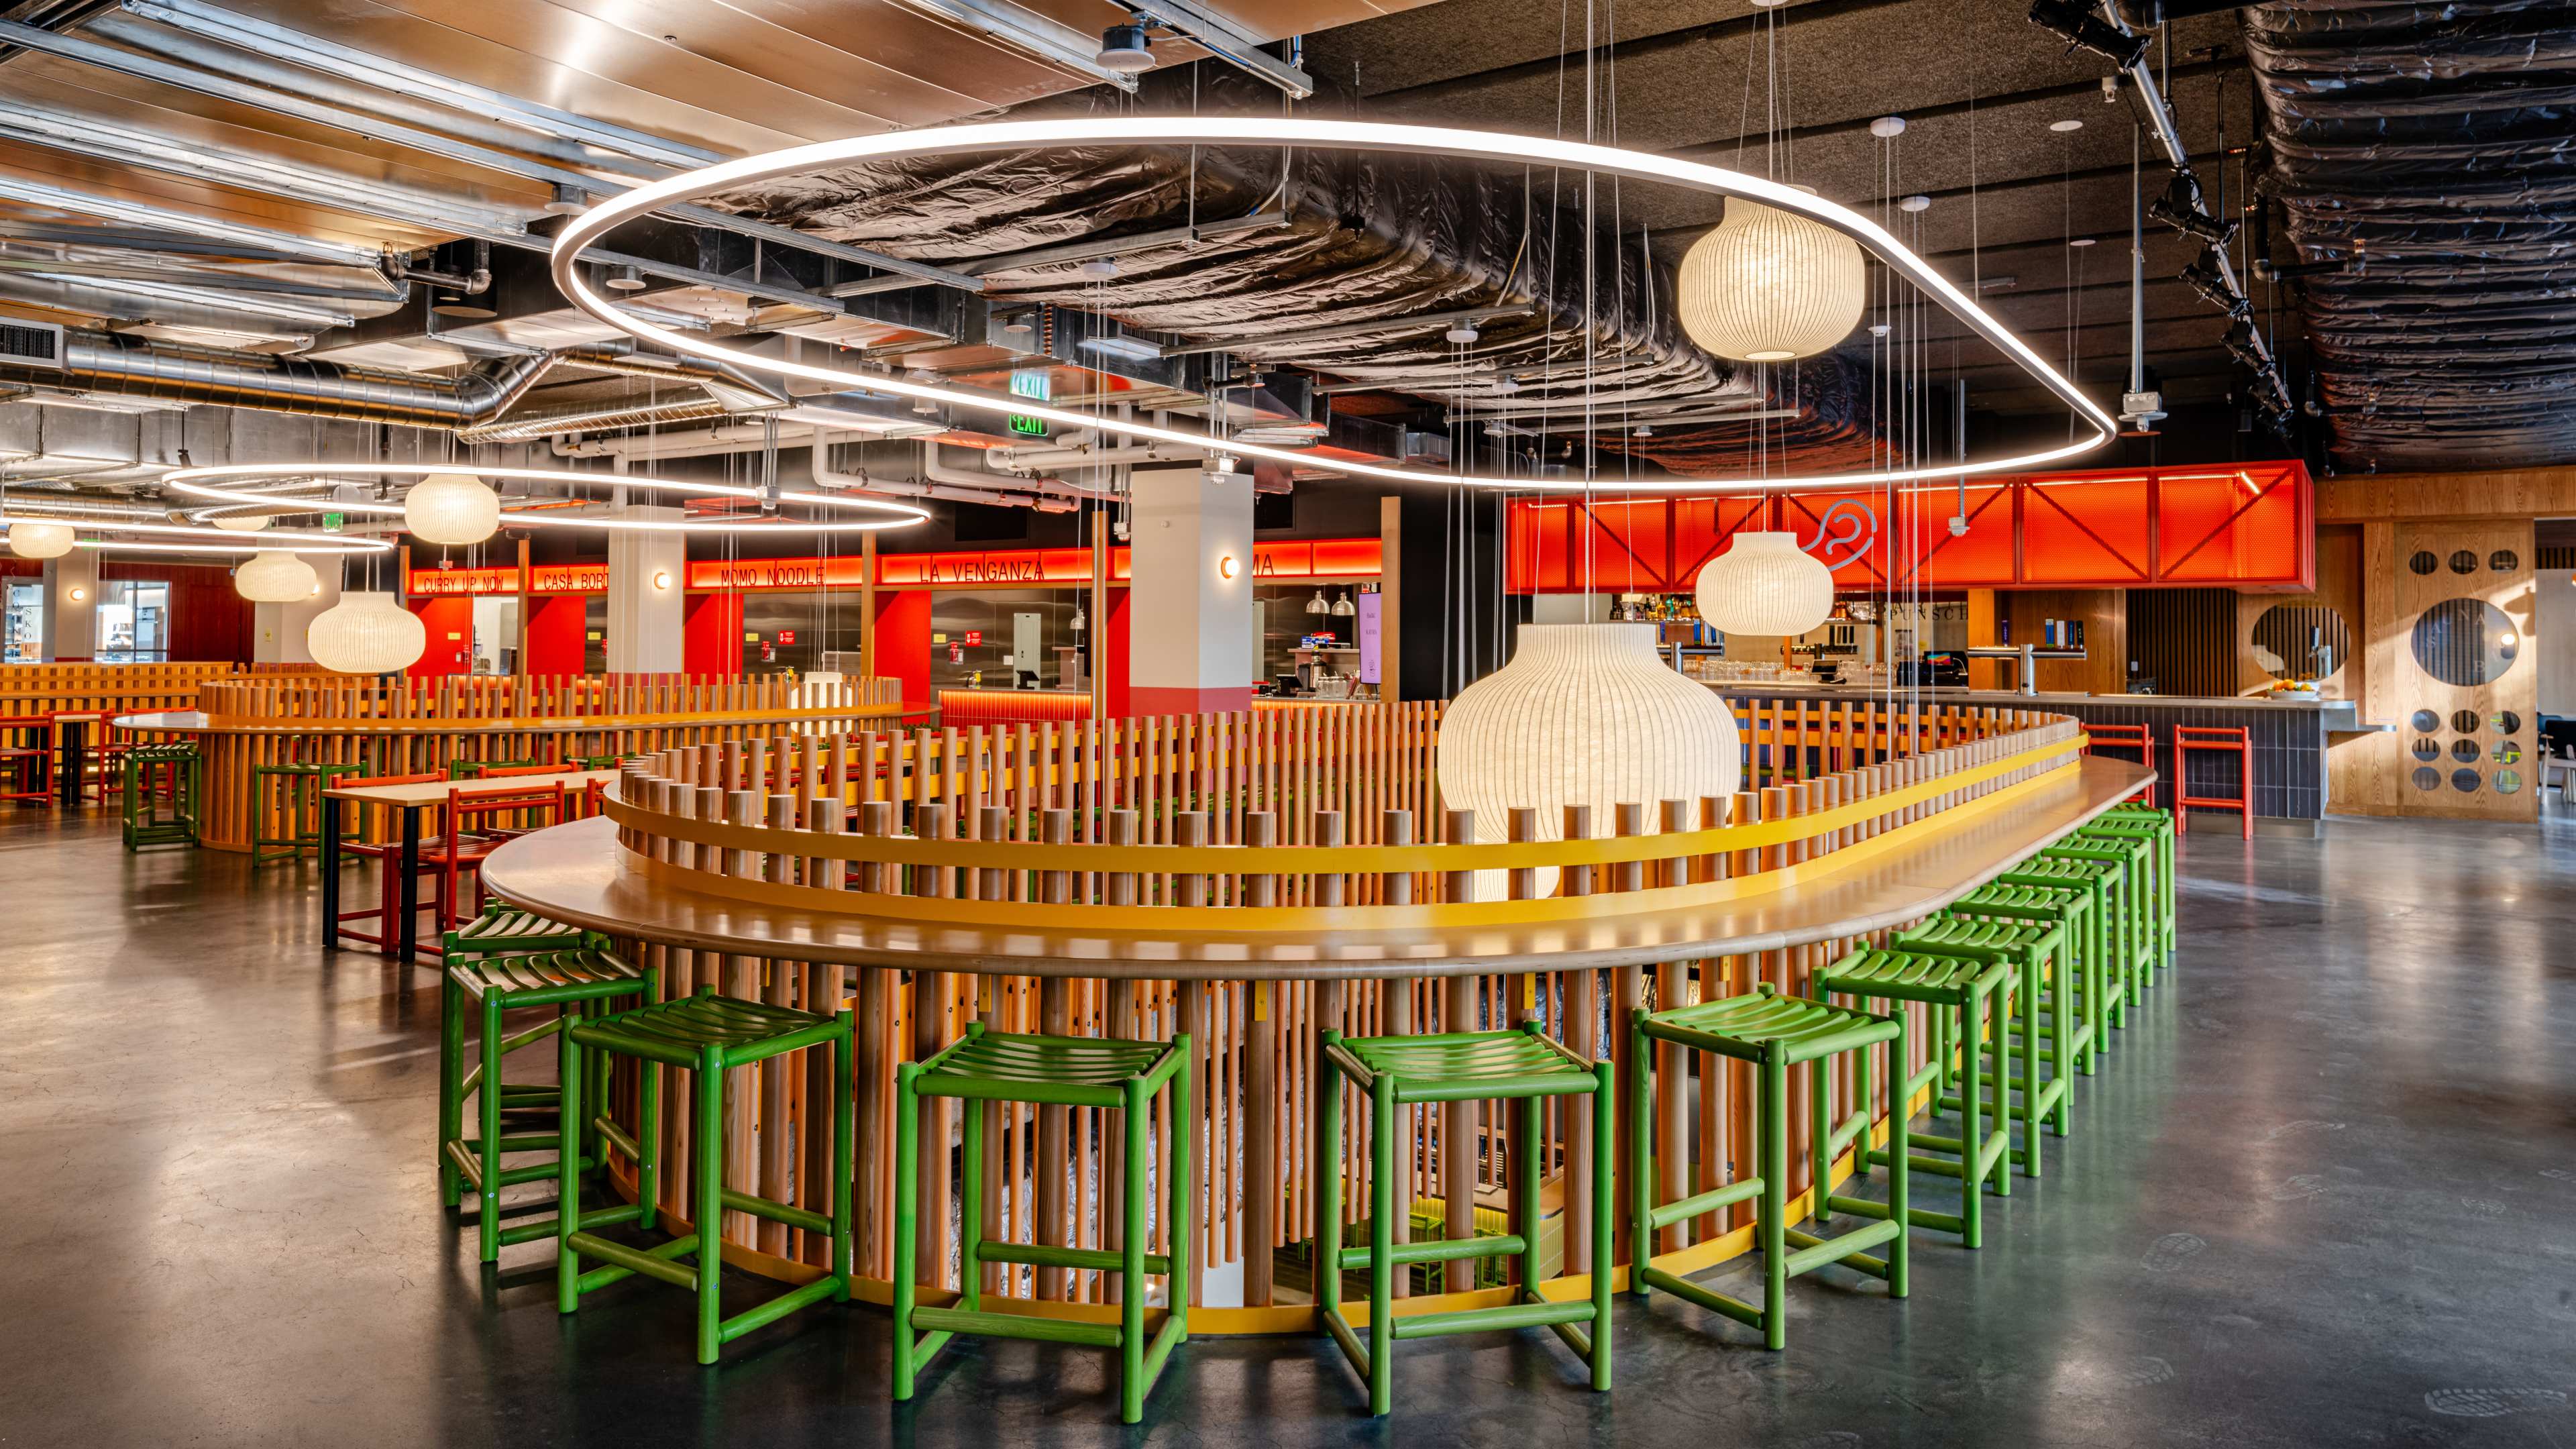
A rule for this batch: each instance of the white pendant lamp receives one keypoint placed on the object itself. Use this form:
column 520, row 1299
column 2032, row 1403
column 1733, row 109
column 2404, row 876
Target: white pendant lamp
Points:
column 452, row 508
column 1585, row 714
column 1769, row 285
column 1765, row 584
column 270, row 577
column 31, row 539
column 366, row 633
column 240, row 522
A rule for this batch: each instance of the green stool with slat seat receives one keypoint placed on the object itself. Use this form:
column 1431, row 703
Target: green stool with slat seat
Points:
column 570, row 978
column 2129, row 818
column 1394, row 1072
column 1112, row 1075
column 1971, row 1001
column 2069, row 906
column 1774, row 1032
column 473, row 769
column 506, row 929
column 2105, row 937
column 2039, row 954
column 709, row 1035
column 2134, row 901
column 145, row 824
column 302, row 787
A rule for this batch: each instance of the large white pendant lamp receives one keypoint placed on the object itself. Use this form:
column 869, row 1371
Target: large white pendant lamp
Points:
column 1765, row 584
column 1585, row 714
column 240, row 522
column 31, row 539
column 452, row 508
column 1769, row 285
column 366, row 633
column 270, row 577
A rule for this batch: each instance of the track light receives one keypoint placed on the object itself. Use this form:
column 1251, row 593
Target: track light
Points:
column 2240, row 344
column 2202, row 277
column 2179, row 207
column 2079, row 26
column 1123, row 49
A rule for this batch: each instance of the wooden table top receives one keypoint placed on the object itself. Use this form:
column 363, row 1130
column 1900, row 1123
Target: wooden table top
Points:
column 434, row 792
column 577, row 874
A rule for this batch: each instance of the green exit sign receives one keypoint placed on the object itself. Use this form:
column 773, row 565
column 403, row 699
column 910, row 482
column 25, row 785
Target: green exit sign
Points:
column 331, row 522
column 1035, row 385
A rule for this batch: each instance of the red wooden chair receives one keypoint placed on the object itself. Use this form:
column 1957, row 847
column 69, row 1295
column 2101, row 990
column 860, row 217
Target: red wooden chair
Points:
column 388, row 857
column 27, row 758
column 470, row 829
column 2205, row 739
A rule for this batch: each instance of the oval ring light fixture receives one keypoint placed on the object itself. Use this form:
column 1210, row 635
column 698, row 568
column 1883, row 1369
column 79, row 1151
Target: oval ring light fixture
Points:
column 214, row 540
column 209, row 482
column 2095, row 427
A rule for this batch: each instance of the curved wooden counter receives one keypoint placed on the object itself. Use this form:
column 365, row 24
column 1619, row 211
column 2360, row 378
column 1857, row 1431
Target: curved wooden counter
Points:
column 578, row 874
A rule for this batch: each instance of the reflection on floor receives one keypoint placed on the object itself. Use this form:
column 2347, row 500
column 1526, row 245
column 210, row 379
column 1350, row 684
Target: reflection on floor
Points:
column 2323, row 1192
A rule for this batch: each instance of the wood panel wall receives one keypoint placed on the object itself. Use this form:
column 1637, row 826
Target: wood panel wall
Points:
column 2104, row 612
column 2184, row 639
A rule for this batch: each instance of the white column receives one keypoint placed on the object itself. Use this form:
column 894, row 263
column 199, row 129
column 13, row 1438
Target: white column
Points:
column 647, row 568
column 1189, row 647
column 279, row 630
column 71, row 606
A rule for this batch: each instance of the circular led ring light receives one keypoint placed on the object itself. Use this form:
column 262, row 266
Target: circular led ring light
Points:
column 206, row 483
column 216, row 540
column 594, row 224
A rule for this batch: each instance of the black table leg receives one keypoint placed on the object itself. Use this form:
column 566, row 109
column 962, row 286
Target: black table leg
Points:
column 330, row 873
column 408, row 890
column 75, row 734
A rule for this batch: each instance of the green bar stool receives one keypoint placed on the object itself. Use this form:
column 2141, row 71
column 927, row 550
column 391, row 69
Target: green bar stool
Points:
column 1068, row 1071
column 302, row 787
column 709, row 1035
column 2101, row 939
column 473, row 769
column 2069, row 906
column 1523, row 1066
column 1971, row 1001
column 2134, row 902
column 507, row 930
column 175, row 767
column 572, row 979
column 2157, row 825
column 2038, row 953
column 1776, row 1032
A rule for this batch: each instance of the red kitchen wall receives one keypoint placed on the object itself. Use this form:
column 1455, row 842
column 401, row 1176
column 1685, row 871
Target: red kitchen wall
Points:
column 440, row 617
column 555, row 629
column 711, row 635
column 902, row 646
column 208, row 621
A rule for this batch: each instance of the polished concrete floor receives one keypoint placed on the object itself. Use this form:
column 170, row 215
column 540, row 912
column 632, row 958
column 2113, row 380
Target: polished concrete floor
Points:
column 2323, row 1193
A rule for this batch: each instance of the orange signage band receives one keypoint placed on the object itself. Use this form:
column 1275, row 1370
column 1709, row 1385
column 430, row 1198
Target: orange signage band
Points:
column 1330, row 558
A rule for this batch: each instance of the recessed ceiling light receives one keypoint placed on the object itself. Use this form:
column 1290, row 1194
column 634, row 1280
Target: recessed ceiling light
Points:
column 2066, row 125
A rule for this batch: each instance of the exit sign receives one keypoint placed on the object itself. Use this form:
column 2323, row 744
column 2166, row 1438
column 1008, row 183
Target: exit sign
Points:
column 1037, row 385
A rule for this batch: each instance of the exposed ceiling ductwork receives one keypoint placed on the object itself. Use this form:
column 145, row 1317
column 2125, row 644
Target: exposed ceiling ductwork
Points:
column 2420, row 154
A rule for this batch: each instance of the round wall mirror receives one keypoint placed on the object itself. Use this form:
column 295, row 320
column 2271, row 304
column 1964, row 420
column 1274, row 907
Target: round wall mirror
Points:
column 2301, row 641
column 2466, row 642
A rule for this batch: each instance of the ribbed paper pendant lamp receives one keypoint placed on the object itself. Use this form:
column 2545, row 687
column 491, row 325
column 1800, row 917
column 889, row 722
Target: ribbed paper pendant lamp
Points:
column 1585, row 714
column 271, row 577
column 1765, row 584
column 1768, row 285
column 31, row 539
column 367, row 633
column 452, row 508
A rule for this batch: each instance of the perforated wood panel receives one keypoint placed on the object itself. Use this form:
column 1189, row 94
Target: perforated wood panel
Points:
column 2453, row 664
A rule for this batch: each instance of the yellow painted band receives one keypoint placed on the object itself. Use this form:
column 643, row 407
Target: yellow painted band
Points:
column 1237, row 920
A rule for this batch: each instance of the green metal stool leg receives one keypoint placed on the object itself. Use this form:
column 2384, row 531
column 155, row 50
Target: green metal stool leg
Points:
column 1774, row 1110
column 487, row 1101
column 970, row 1207
column 845, row 1153
column 1177, row 1193
column 706, row 1203
column 1972, row 1134
column 1641, row 1159
column 1381, row 1339
column 1605, row 1137
column 1131, row 1256
column 1529, row 1171
column 907, row 1208
column 568, row 1181
column 451, row 1086
column 1328, row 1203
column 1899, row 1153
